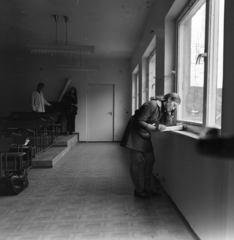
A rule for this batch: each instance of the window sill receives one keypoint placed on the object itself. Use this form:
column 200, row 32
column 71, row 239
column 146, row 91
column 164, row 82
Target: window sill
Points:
column 187, row 134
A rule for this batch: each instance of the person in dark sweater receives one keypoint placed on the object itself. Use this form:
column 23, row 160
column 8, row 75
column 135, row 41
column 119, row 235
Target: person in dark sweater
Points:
column 153, row 115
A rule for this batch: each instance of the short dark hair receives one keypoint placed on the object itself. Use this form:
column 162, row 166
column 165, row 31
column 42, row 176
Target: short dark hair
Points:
column 40, row 84
column 174, row 97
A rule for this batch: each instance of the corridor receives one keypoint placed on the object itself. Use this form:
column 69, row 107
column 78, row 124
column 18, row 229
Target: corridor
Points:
column 88, row 195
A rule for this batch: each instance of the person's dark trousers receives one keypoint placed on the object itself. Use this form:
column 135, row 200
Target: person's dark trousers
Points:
column 71, row 123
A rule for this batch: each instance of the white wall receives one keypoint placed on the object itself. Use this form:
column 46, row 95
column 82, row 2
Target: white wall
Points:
column 22, row 71
column 154, row 28
column 115, row 72
column 228, row 112
column 196, row 183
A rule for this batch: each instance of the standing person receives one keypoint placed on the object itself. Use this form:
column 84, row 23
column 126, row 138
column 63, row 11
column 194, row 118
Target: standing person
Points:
column 38, row 101
column 151, row 116
column 70, row 100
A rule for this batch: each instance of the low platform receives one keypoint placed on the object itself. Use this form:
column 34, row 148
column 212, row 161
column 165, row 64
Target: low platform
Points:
column 56, row 152
column 68, row 140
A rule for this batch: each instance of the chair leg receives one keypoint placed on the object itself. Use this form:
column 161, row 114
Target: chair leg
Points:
column 1, row 155
column 27, row 159
column 14, row 164
column 5, row 163
column 21, row 163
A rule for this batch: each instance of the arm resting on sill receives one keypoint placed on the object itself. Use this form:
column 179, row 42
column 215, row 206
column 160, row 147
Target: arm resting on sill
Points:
column 179, row 127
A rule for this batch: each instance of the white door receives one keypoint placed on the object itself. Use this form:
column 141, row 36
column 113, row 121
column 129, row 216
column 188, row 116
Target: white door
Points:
column 100, row 107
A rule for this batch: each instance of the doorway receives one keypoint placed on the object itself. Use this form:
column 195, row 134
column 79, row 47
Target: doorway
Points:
column 100, row 112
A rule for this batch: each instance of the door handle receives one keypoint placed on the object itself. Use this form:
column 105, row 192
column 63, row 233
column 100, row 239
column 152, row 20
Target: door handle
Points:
column 110, row 113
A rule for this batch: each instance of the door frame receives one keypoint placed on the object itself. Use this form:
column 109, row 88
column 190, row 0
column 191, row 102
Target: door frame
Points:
column 113, row 117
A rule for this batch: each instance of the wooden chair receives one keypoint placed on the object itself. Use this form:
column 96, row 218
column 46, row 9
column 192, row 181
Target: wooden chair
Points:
column 29, row 126
column 46, row 131
column 19, row 138
column 22, row 146
column 5, row 144
column 33, row 127
column 52, row 117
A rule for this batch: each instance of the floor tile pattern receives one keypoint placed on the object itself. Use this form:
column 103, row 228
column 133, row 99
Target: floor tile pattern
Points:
column 88, row 195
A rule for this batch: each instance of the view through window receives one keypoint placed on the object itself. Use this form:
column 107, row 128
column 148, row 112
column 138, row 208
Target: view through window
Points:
column 200, row 63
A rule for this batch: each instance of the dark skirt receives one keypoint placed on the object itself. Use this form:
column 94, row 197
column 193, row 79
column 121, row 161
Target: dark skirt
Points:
column 134, row 140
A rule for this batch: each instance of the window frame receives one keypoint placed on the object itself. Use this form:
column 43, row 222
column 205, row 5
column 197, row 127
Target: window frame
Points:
column 151, row 55
column 135, row 90
column 193, row 126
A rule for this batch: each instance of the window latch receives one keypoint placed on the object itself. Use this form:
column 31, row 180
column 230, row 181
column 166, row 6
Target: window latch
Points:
column 200, row 56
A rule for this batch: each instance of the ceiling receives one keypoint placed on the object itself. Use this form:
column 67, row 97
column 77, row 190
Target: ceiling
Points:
column 112, row 26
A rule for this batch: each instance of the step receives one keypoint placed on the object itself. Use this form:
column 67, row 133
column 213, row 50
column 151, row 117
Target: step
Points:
column 56, row 152
column 68, row 140
column 50, row 157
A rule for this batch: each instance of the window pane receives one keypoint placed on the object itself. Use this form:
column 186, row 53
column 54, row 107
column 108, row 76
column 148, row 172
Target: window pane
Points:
column 135, row 92
column 152, row 67
column 215, row 67
column 144, row 93
column 191, row 35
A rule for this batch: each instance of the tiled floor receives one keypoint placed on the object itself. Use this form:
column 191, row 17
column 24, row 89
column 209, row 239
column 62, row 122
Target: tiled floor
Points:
column 88, row 195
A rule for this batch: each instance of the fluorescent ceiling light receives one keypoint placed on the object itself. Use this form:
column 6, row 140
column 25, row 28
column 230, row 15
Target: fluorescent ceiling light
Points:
column 80, row 68
column 61, row 49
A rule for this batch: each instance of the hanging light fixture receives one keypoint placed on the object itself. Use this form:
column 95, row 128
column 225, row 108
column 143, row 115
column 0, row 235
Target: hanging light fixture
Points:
column 86, row 68
column 79, row 67
column 60, row 49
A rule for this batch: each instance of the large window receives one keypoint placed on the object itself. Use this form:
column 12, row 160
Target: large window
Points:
column 200, row 62
column 135, row 92
column 151, row 74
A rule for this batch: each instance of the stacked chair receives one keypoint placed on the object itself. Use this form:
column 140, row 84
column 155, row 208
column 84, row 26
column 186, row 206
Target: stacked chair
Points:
column 23, row 135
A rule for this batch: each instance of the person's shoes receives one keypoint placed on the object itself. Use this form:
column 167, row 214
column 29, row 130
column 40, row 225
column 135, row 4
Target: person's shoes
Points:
column 153, row 193
column 141, row 194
